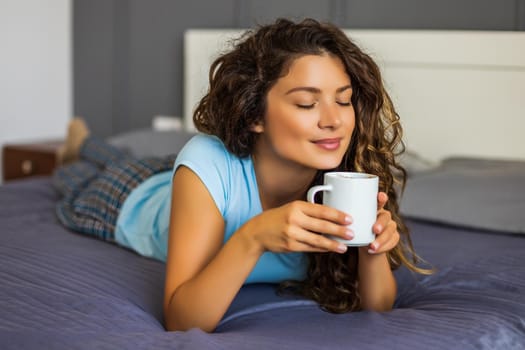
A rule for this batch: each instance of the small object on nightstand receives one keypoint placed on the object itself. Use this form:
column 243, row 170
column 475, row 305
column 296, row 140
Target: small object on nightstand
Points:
column 29, row 159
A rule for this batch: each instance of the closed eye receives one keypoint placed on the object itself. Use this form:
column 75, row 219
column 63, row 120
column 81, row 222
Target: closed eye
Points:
column 306, row 106
column 310, row 106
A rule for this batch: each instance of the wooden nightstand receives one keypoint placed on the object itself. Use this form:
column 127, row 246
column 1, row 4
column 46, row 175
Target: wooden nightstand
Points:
column 29, row 159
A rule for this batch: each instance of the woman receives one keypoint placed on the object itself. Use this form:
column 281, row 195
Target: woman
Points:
column 288, row 103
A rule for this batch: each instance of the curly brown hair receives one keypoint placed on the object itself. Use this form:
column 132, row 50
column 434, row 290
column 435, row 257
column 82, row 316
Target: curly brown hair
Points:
column 239, row 81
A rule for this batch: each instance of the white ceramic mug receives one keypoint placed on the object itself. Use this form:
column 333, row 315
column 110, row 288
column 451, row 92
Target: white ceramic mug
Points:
column 354, row 194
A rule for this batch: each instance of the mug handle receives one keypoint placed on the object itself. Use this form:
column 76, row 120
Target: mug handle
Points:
column 310, row 196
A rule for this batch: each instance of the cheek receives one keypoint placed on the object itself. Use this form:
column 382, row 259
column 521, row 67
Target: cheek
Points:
column 352, row 124
column 350, row 120
column 349, row 127
column 286, row 120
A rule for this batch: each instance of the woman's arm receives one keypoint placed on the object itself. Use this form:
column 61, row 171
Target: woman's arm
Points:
column 201, row 277
column 377, row 285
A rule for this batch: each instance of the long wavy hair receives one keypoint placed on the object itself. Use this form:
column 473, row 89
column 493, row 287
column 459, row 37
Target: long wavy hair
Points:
column 239, row 81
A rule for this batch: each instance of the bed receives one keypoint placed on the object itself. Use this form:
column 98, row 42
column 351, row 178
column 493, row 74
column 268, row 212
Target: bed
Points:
column 63, row 290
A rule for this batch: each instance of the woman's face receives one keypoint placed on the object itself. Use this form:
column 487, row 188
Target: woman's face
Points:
column 309, row 118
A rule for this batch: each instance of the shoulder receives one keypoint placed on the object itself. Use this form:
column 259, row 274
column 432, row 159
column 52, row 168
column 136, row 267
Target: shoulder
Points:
column 202, row 143
column 207, row 157
column 203, row 150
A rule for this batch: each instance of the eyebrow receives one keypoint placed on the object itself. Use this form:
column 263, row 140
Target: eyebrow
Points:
column 315, row 90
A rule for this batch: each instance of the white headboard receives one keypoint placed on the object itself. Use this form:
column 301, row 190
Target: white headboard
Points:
column 459, row 93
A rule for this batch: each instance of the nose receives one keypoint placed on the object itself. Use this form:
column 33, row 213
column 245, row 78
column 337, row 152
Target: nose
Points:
column 330, row 117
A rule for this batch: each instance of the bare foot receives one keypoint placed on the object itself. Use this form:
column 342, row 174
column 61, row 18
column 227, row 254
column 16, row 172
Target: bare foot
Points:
column 77, row 133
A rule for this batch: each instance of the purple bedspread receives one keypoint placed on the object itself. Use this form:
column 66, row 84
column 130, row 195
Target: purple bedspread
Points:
column 62, row 290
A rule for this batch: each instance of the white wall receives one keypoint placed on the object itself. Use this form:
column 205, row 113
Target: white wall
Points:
column 35, row 69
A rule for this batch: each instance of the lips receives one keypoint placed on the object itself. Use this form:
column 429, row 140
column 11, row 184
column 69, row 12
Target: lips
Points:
column 328, row 144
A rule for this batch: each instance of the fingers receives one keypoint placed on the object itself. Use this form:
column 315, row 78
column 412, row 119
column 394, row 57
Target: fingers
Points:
column 383, row 218
column 386, row 232
column 301, row 226
column 384, row 228
column 326, row 213
column 327, row 221
column 382, row 198
column 300, row 238
column 386, row 241
column 322, row 219
column 312, row 242
column 328, row 228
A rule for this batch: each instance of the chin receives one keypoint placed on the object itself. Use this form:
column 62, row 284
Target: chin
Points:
column 326, row 160
column 327, row 165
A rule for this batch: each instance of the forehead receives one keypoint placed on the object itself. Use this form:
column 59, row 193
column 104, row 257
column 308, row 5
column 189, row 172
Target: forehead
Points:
column 315, row 69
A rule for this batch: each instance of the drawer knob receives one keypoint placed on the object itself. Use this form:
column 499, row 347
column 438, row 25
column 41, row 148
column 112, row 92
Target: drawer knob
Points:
column 27, row 167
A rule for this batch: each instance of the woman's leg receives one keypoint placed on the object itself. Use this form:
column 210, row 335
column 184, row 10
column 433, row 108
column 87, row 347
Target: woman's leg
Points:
column 101, row 153
column 95, row 209
column 95, row 187
column 82, row 158
column 68, row 180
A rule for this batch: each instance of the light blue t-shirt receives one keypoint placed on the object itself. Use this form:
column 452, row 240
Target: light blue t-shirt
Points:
column 144, row 218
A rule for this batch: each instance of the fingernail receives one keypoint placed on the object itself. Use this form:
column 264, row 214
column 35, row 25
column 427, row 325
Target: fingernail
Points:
column 348, row 220
column 341, row 248
column 349, row 234
column 378, row 228
column 374, row 246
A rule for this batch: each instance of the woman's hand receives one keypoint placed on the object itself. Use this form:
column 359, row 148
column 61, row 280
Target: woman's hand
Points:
column 385, row 228
column 300, row 226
